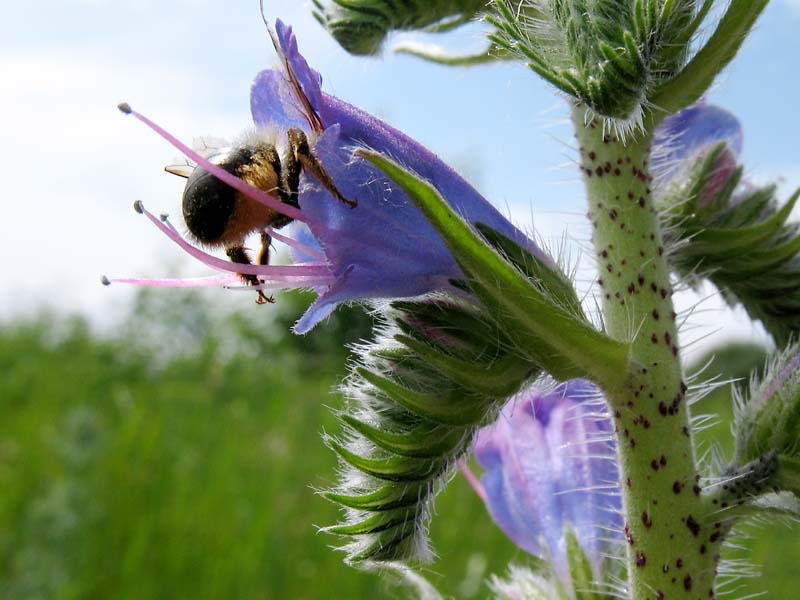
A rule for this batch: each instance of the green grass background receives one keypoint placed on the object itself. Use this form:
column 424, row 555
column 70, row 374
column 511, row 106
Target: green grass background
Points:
column 177, row 459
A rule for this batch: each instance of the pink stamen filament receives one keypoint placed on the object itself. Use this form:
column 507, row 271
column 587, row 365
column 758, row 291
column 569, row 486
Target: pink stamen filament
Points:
column 781, row 378
column 299, row 282
column 473, row 481
column 275, row 273
column 293, row 243
column 219, row 172
column 227, row 278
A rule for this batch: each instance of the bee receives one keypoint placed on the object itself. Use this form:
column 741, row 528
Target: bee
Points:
column 218, row 216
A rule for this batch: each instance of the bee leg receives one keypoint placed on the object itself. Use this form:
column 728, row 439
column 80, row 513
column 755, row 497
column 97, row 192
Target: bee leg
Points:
column 263, row 254
column 292, row 170
column 238, row 254
column 299, row 148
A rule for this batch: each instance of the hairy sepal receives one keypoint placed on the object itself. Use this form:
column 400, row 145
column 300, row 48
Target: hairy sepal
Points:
column 766, row 463
column 608, row 55
column 741, row 240
column 416, row 400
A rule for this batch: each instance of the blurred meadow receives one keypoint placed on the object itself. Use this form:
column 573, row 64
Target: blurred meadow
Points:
column 178, row 458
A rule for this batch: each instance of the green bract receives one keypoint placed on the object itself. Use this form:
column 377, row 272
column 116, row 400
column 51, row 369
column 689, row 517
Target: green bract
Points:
column 361, row 26
column 622, row 57
column 741, row 240
column 441, row 369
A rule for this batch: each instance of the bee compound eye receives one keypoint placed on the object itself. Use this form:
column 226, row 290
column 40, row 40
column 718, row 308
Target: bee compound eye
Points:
column 208, row 204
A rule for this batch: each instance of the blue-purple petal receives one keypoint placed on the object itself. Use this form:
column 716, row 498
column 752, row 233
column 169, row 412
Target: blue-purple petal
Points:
column 273, row 102
column 682, row 135
column 383, row 248
column 309, row 80
column 549, row 462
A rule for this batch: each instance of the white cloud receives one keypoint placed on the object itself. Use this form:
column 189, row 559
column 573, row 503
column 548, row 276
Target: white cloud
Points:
column 73, row 165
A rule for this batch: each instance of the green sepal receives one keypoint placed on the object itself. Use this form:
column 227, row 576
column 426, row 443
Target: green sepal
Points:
column 455, row 408
column 685, row 36
column 749, row 209
column 498, row 378
column 390, row 467
column 717, row 240
column 580, row 568
column 467, row 327
column 551, row 280
column 619, row 59
column 530, row 346
column 741, row 241
column 682, row 199
column 572, row 344
column 377, row 522
column 386, row 545
column 361, row 26
column 699, row 73
column 608, row 55
column 452, row 335
column 782, row 504
column 387, row 497
column 428, row 440
column 757, row 261
column 768, row 420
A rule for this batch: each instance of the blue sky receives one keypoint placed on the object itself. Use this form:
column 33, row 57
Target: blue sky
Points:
column 73, row 164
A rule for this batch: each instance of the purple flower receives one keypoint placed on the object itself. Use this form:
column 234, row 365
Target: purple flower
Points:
column 682, row 140
column 549, row 462
column 382, row 248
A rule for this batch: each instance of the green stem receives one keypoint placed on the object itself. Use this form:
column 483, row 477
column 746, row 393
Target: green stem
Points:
column 671, row 549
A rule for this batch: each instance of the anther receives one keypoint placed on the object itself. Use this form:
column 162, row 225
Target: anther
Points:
column 125, row 108
column 105, row 280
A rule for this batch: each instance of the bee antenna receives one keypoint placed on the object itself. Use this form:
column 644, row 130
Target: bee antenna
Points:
column 263, row 16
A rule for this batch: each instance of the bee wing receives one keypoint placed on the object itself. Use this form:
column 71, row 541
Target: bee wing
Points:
column 291, row 95
column 207, row 145
column 182, row 170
